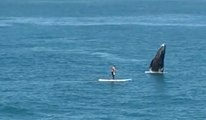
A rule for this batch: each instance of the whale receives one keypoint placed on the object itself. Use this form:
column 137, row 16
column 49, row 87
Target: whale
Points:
column 157, row 63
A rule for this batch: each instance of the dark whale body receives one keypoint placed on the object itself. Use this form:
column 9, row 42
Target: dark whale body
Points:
column 157, row 63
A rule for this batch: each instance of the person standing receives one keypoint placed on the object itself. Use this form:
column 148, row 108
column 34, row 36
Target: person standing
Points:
column 113, row 71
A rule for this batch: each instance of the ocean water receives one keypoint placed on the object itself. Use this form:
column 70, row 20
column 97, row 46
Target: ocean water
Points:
column 52, row 52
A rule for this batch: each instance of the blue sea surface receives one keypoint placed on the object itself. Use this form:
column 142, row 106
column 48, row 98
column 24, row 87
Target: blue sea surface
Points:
column 52, row 53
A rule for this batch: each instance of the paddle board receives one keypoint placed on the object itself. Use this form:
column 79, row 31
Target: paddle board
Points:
column 113, row 80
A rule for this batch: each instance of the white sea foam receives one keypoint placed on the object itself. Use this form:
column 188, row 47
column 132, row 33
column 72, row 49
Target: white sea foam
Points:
column 147, row 20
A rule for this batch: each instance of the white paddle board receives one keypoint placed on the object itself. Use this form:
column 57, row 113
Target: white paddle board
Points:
column 113, row 80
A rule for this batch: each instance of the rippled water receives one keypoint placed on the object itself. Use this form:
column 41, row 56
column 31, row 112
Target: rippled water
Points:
column 53, row 53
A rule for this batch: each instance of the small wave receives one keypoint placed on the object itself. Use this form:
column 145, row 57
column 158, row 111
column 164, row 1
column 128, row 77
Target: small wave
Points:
column 4, row 25
column 56, row 2
column 113, row 57
column 15, row 110
column 102, row 54
column 147, row 20
column 42, row 49
column 58, row 50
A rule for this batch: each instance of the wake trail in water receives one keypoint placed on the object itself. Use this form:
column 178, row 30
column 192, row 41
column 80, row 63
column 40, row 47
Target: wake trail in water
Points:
column 113, row 57
column 147, row 20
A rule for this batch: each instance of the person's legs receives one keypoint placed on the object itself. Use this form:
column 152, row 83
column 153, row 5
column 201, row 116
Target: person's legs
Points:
column 112, row 75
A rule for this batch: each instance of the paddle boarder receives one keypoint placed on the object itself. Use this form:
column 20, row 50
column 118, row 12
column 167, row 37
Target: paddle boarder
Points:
column 113, row 71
